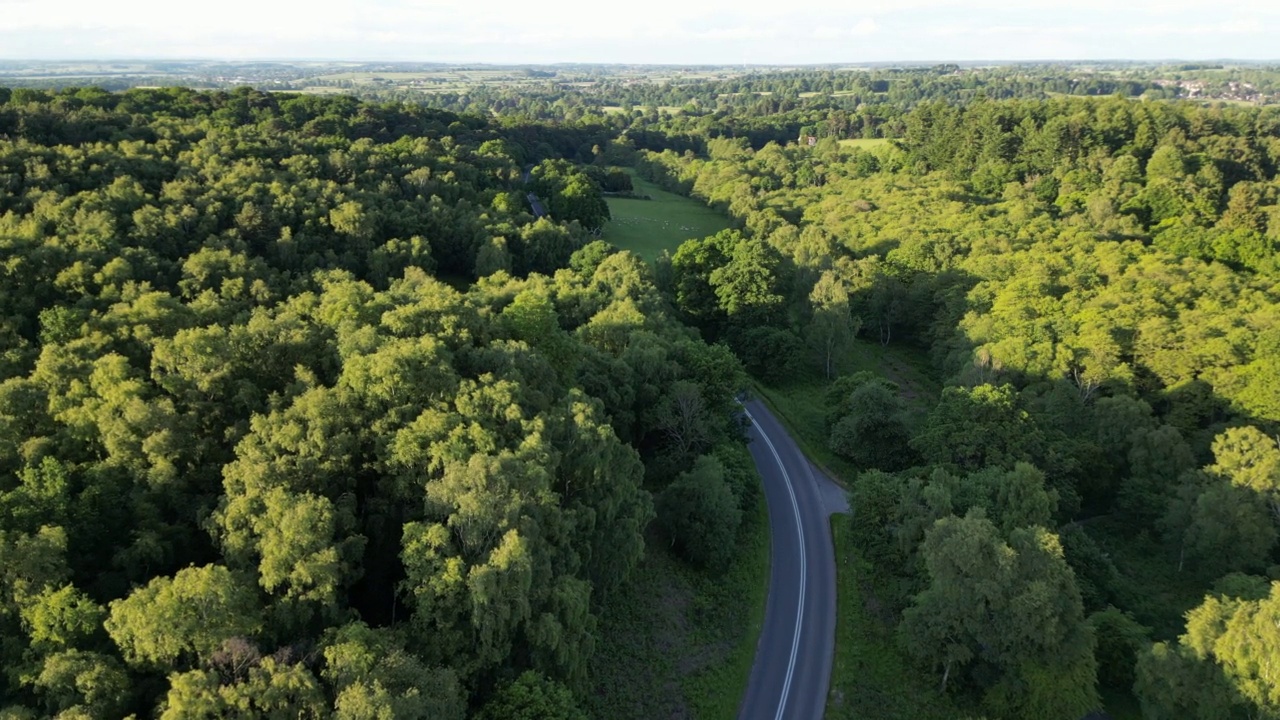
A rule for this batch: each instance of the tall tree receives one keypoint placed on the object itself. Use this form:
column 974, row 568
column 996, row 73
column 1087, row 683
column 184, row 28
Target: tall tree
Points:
column 976, row 427
column 178, row 621
column 832, row 327
column 1014, row 606
column 700, row 514
column 873, row 433
column 532, row 697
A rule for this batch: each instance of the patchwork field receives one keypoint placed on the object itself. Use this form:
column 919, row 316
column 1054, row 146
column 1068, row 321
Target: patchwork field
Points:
column 647, row 227
column 664, row 108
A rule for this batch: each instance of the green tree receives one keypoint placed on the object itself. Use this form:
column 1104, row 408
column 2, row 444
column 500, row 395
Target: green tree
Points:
column 750, row 287
column 1243, row 637
column 1172, row 683
column 545, row 247
column 175, row 621
column 974, row 428
column 532, row 697
column 691, row 269
column 1249, row 459
column 1157, row 459
column 873, row 433
column 31, row 565
column 269, row 689
column 770, row 353
column 1121, row 640
column 288, row 508
column 587, row 258
column 77, row 681
column 570, row 195
column 493, row 258
column 832, row 327
column 532, row 317
column 372, row 676
column 1221, row 666
column 1013, row 605
column 1224, row 518
column 42, row 498
column 700, row 514
column 1022, row 498
column 1229, row 530
column 683, row 419
column 61, row 618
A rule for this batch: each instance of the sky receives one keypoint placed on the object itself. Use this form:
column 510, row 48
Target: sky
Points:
column 641, row 31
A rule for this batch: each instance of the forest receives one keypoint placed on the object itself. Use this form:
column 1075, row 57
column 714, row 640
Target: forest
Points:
column 303, row 412
column 1091, row 504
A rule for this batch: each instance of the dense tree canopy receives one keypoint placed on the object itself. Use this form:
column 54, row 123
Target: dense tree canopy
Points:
column 257, row 459
column 304, row 413
column 1094, row 281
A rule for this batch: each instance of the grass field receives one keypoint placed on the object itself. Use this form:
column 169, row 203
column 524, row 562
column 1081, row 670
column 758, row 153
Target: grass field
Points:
column 665, row 108
column 678, row 643
column 865, row 143
column 647, row 227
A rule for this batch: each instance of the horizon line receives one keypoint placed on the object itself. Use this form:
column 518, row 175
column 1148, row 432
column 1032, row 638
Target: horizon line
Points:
column 570, row 63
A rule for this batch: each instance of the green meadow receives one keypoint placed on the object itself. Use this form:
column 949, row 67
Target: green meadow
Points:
column 865, row 143
column 647, row 227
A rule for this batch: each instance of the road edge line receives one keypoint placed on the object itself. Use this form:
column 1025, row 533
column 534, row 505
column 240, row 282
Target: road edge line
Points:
column 804, row 565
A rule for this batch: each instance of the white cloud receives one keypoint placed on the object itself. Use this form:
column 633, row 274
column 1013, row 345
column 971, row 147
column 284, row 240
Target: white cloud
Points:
column 862, row 28
column 657, row 31
column 736, row 33
column 1230, row 27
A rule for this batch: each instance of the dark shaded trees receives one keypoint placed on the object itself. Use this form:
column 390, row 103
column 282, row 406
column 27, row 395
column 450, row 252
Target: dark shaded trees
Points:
column 701, row 514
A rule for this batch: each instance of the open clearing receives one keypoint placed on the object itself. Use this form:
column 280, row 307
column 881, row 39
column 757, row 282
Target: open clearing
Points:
column 673, row 109
column 647, row 227
column 865, row 143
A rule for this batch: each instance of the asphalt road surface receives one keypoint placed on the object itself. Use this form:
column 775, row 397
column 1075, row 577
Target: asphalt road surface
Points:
column 792, row 669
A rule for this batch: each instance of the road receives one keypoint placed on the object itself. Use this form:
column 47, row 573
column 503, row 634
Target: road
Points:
column 792, row 669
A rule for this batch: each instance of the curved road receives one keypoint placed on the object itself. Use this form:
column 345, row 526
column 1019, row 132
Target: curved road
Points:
column 792, row 669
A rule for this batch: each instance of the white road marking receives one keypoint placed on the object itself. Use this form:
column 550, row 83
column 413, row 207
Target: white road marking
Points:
column 804, row 571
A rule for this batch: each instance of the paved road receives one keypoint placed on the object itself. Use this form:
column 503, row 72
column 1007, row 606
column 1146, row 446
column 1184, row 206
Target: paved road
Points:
column 792, row 670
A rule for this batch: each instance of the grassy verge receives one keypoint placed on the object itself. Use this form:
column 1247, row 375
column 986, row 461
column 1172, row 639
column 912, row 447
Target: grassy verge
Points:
column 799, row 403
column 678, row 642
column 871, row 678
column 647, row 227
